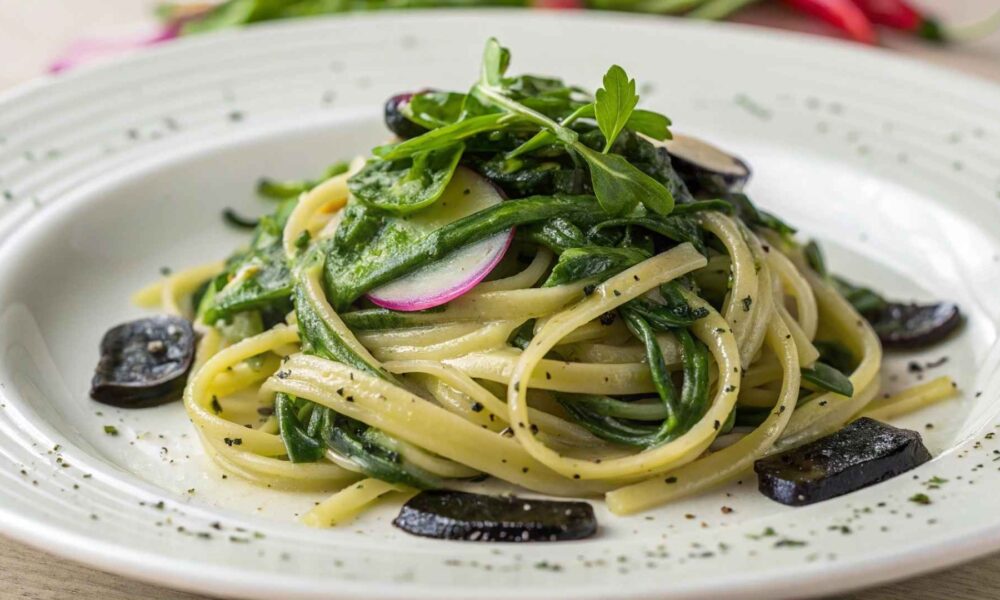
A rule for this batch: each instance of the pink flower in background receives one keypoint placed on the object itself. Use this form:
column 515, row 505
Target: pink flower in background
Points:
column 89, row 50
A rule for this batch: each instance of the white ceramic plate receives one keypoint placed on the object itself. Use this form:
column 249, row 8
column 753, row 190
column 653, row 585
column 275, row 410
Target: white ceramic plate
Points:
column 109, row 174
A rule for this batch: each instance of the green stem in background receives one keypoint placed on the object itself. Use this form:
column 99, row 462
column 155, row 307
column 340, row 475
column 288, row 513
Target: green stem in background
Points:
column 718, row 9
column 666, row 7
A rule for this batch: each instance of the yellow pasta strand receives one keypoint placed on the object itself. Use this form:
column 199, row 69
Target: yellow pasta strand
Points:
column 911, row 399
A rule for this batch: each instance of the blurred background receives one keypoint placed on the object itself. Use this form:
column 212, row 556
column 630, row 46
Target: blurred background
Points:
column 38, row 36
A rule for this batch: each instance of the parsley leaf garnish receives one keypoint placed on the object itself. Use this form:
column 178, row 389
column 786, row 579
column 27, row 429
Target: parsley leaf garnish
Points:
column 615, row 103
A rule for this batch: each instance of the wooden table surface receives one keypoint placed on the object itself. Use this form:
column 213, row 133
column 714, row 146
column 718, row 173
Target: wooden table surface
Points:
column 33, row 31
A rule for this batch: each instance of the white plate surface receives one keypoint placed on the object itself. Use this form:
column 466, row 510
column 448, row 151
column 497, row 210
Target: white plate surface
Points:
column 109, row 174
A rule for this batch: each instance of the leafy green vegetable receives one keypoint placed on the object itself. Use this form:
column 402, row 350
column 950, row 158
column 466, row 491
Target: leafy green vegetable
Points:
column 558, row 234
column 375, row 319
column 530, row 176
column 371, row 449
column 282, row 190
column 241, row 326
column 548, row 95
column 237, row 220
column 406, row 185
column 694, row 393
column 701, row 205
column 434, row 109
column 445, row 136
column 615, row 103
column 814, row 256
column 677, row 228
column 627, row 432
column 300, row 446
column 836, row 355
column 594, row 262
column 827, row 378
column 864, row 300
column 370, row 249
column 674, row 313
column 256, row 279
column 646, row 122
column 496, row 59
column 375, row 452
column 641, row 329
column 522, row 335
column 621, row 409
column 649, row 123
column 751, row 215
column 500, row 111
column 626, row 422
column 620, row 186
column 317, row 337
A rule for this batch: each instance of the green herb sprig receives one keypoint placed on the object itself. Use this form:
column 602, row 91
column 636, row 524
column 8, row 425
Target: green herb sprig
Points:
column 547, row 107
column 618, row 185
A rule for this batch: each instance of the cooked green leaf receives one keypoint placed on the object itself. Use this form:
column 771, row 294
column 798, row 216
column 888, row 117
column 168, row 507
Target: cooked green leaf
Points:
column 443, row 137
column 370, row 249
column 677, row 228
column 649, row 123
column 282, row 190
column 814, row 256
column 496, row 59
column 434, row 109
column 408, row 184
column 620, row 186
column 827, row 378
column 299, row 445
column 255, row 279
column 595, row 262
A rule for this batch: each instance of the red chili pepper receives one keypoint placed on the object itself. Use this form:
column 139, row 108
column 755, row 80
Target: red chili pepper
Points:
column 899, row 14
column 842, row 14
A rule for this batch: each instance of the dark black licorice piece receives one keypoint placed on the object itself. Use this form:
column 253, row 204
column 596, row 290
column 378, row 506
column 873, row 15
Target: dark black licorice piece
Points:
column 396, row 122
column 449, row 515
column 706, row 169
column 914, row 325
column 861, row 454
column 144, row 362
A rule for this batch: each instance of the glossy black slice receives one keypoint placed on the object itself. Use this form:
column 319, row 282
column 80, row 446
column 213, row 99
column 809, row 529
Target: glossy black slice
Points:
column 861, row 454
column 449, row 515
column 144, row 362
column 914, row 326
column 705, row 168
column 396, row 122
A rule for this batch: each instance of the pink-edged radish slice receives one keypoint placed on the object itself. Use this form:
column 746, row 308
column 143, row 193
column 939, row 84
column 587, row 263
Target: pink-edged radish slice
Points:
column 457, row 273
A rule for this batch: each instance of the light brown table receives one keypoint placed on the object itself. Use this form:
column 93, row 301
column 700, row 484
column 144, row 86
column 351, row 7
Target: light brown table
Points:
column 32, row 31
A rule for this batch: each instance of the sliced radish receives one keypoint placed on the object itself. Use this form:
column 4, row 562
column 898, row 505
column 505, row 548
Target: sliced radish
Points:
column 457, row 273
